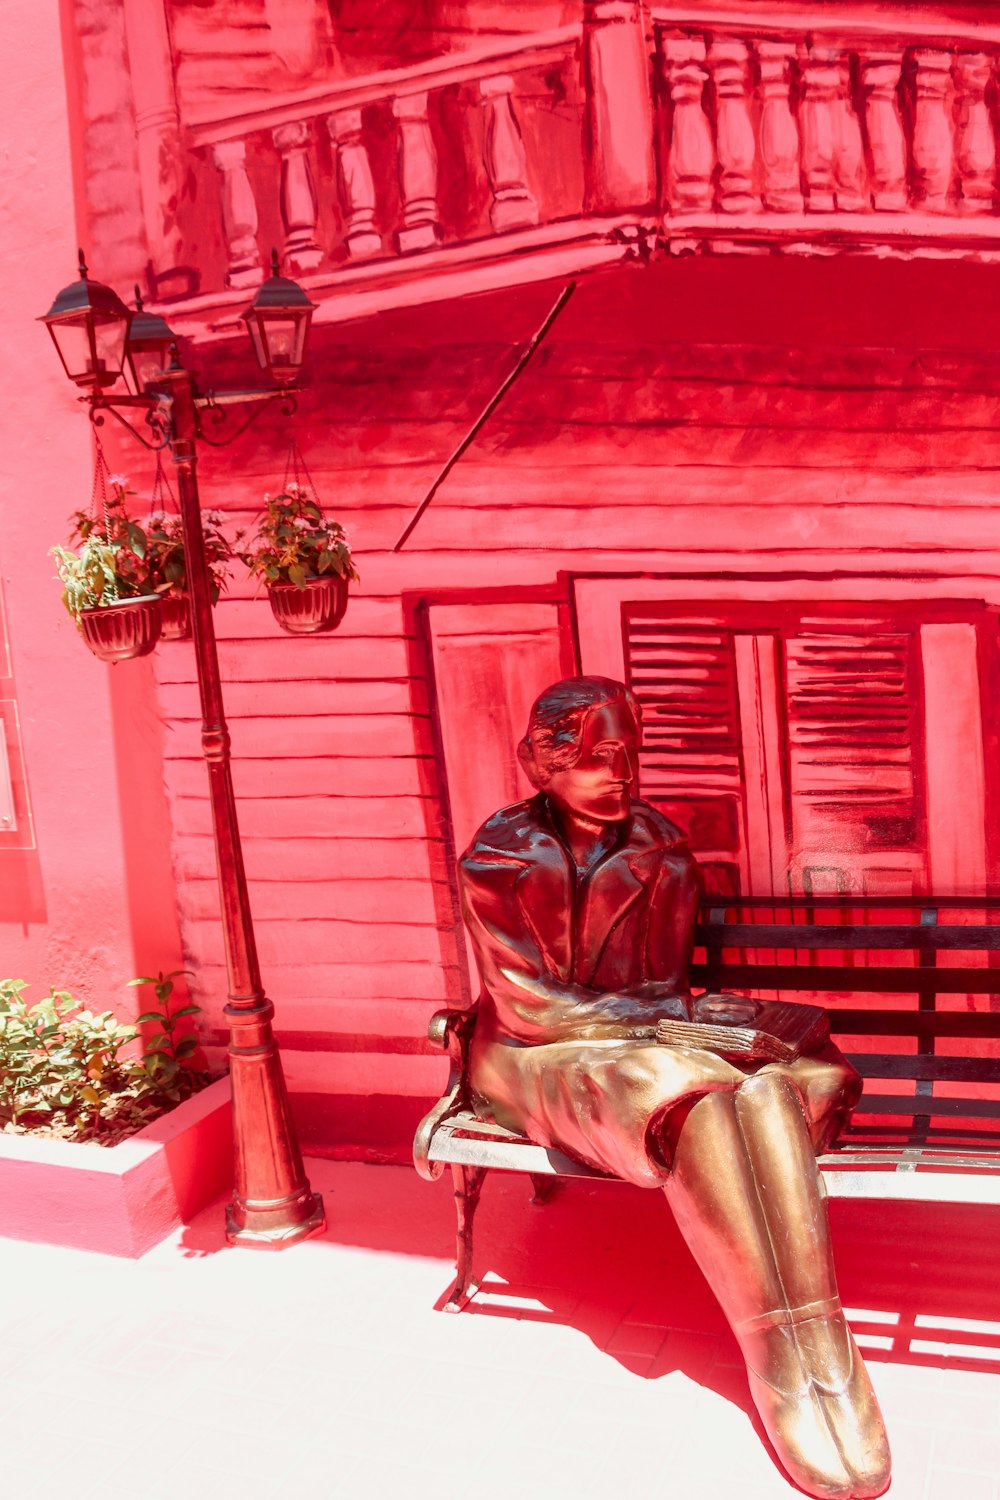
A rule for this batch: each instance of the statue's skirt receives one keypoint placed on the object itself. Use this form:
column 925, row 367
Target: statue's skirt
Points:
column 604, row 1102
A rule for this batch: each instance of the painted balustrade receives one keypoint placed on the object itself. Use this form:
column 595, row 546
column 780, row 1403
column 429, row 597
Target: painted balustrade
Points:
column 828, row 117
column 824, row 129
column 318, row 163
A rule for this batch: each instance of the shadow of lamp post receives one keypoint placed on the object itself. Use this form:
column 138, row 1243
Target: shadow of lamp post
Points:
column 98, row 340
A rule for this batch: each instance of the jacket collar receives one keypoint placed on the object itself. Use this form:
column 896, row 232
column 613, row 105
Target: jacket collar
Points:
column 573, row 917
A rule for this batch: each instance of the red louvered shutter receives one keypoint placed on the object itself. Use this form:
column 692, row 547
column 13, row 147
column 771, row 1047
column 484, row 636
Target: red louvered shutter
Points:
column 789, row 729
column 684, row 676
column 853, row 706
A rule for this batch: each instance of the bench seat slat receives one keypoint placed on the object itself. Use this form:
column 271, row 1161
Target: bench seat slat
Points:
column 506, row 1155
column 915, row 1187
column 876, row 936
column 911, row 1159
column 916, row 1175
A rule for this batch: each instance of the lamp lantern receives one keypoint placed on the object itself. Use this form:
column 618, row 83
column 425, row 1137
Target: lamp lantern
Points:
column 278, row 321
column 147, row 349
column 89, row 325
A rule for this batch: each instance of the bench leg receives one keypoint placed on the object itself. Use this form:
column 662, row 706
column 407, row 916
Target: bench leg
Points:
column 468, row 1186
column 545, row 1188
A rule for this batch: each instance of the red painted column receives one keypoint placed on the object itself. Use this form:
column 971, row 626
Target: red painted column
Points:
column 620, row 170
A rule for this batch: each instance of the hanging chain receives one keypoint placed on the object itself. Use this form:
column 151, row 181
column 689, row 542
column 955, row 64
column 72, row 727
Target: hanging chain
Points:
column 161, row 493
column 99, row 493
column 297, row 469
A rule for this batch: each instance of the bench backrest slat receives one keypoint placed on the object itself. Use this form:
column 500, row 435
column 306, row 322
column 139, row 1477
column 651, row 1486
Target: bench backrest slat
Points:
column 921, row 1066
column 824, row 950
column 866, row 979
column 880, row 937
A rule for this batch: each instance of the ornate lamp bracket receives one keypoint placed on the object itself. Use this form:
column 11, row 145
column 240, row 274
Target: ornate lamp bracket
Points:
column 213, row 410
column 159, row 416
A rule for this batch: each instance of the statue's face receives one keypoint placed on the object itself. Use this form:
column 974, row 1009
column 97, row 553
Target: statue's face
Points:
column 599, row 786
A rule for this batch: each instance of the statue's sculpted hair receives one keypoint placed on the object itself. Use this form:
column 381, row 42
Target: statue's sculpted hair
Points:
column 555, row 727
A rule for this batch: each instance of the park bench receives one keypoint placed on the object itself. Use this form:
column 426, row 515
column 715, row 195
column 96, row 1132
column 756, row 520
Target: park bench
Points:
column 913, row 991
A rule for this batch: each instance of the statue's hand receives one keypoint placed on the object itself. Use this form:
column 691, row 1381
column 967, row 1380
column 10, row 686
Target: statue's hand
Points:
column 725, row 1010
column 654, row 1002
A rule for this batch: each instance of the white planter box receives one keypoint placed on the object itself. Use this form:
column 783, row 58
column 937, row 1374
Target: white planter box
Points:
column 119, row 1200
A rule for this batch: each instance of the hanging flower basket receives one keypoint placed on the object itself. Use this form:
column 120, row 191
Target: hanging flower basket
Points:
column 309, row 608
column 303, row 559
column 117, row 632
column 176, row 617
column 166, row 559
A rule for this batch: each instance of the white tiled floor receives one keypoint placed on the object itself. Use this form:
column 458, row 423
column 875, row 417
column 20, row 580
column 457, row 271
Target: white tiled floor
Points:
column 594, row 1363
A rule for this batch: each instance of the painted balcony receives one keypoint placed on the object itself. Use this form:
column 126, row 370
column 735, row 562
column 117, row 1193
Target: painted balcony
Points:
column 626, row 134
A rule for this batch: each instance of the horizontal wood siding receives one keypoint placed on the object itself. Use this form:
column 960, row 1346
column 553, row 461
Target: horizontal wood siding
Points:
column 618, row 454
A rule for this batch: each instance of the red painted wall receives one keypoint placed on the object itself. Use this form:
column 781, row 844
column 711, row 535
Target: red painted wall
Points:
column 721, row 435
column 89, row 901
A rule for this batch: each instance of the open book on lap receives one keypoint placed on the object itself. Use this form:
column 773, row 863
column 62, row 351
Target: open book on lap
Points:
column 751, row 1030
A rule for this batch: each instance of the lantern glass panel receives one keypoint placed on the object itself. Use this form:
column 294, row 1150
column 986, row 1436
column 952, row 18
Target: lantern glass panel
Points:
column 147, row 366
column 109, row 342
column 285, row 338
column 73, row 344
column 257, row 339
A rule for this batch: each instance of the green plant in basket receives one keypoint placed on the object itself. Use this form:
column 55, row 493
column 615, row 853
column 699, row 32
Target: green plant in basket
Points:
column 296, row 543
column 167, row 559
column 106, row 561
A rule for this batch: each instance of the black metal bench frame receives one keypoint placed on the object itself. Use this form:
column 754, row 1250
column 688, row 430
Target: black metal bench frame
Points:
column 903, row 1151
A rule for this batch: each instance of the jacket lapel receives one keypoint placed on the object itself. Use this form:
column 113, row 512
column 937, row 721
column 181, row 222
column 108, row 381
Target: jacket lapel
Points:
column 573, row 949
column 606, row 895
column 545, row 893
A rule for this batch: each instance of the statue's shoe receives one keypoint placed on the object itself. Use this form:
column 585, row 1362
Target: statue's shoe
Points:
column 849, row 1403
column 812, row 1392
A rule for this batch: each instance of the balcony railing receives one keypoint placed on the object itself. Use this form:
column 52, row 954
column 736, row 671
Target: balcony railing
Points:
column 551, row 153
column 828, row 128
column 321, row 160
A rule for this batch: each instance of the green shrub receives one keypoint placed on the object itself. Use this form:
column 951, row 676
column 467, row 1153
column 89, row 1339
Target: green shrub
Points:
column 65, row 1071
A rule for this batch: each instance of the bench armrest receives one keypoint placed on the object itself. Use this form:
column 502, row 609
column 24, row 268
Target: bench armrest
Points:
column 451, row 1030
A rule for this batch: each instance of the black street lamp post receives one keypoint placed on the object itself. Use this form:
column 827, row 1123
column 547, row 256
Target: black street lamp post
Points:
column 96, row 337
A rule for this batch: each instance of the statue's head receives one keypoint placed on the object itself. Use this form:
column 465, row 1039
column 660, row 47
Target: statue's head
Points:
column 582, row 746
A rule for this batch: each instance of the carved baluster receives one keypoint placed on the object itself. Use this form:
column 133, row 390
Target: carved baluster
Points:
column 417, row 175
column 298, row 200
column 779, row 134
column 975, row 147
column 880, row 81
column 620, row 169
column 692, row 154
column 355, row 185
column 239, row 215
column 513, row 205
column 848, row 151
column 820, row 83
column 932, row 131
column 734, row 138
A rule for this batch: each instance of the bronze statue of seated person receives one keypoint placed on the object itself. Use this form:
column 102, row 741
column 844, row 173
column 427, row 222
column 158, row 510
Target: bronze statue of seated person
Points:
column 581, row 906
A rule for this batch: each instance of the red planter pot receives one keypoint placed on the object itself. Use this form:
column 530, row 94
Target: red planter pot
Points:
column 117, row 632
column 176, row 617
column 318, row 605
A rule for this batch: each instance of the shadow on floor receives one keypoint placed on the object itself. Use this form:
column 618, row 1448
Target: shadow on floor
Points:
column 608, row 1259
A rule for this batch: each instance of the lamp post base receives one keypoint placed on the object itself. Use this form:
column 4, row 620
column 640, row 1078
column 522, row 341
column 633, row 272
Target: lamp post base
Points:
column 254, row 1226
